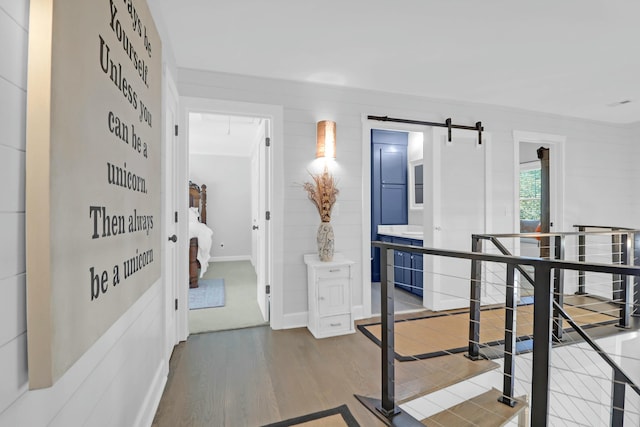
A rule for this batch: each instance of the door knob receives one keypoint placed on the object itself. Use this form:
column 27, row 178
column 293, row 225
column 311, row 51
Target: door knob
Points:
column 255, row 227
column 173, row 238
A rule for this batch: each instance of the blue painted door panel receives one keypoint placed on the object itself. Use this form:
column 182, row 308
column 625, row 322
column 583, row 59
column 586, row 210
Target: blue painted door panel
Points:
column 388, row 201
column 393, row 199
column 393, row 165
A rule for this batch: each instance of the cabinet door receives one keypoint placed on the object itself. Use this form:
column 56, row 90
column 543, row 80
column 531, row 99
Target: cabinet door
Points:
column 402, row 266
column 393, row 165
column 393, row 199
column 402, row 273
column 417, row 263
column 333, row 296
column 416, row 274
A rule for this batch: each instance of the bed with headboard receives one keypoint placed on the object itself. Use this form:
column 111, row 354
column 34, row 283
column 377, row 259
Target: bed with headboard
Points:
column 200, row 236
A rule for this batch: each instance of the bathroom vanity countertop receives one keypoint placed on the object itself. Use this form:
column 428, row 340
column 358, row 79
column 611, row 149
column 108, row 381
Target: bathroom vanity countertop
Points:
column 405, row 231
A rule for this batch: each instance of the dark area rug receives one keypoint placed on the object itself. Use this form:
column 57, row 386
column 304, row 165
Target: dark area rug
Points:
column 336, row 417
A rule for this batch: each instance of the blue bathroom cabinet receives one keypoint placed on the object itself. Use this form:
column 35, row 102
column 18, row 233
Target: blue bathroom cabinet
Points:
column 408, row 266
column 389, row 202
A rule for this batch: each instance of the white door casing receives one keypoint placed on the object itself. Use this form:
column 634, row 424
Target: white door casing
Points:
column 270, row 248
column 556, row 146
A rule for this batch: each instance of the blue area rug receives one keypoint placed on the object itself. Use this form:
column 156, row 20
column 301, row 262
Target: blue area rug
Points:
column 208, row 294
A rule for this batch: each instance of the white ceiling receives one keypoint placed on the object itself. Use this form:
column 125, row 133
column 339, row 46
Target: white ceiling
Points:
column 215, row 134
column 568, row 57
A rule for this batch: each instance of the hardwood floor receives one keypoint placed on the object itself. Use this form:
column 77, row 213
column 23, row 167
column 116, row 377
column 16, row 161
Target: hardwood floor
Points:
column 255, row 376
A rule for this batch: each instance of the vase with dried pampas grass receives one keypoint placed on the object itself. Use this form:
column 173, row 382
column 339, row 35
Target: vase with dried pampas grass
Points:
column 323, row 193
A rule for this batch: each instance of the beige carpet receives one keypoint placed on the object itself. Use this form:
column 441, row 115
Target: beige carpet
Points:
column 241, row 307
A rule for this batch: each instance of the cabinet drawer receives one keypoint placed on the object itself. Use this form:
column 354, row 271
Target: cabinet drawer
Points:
column 335, row 323
column 335, row 271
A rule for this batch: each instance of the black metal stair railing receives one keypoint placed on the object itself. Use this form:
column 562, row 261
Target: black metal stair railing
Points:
column 620, row 241
column 385, row 407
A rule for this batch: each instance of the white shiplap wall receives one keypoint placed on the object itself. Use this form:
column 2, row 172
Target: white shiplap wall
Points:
column 119, row 380
column 599, row 161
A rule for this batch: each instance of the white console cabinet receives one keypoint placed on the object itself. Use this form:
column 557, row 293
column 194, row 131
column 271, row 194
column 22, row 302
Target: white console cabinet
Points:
column 329, row 286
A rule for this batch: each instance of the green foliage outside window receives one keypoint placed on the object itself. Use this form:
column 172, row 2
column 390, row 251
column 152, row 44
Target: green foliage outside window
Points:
column 530, row 194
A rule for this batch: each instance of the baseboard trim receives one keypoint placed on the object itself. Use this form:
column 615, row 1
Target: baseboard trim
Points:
column 294, row 320
column 357, row 312
column 152, row 400
column 230, row 258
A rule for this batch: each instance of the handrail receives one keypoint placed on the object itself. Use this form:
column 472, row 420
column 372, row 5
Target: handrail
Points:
column 605, row 226
column 563, row 233
column 535, row 262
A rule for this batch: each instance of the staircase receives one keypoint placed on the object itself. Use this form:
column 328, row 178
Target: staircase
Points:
column 473, row 399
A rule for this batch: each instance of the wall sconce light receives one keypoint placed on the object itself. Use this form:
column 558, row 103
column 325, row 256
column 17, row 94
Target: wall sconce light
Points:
column 326, row 139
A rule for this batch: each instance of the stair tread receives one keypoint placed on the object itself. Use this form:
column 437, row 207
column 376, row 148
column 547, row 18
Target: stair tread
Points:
column 483, row 410
column 416, row 379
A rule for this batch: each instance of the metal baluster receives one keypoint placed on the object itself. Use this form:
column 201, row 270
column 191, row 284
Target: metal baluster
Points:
column 558, row 287
column 624, row 294
column 541, row 346
column 474, row 301
column 509, row 340
column 388, row 343
column 618, row 387
column 582, row 251
column 385, row 408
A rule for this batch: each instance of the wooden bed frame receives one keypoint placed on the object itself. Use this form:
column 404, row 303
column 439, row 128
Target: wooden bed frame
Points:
column 197, row 199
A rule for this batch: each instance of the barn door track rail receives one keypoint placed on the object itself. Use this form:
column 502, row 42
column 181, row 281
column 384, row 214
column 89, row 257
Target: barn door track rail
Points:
column 447, row 124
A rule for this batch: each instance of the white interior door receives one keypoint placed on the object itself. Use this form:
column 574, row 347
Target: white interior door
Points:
column 459, row 183
column 170, row 226
column 261, row 224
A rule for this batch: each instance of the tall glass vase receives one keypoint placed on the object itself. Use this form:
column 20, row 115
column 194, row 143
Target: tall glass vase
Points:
column 325, row 241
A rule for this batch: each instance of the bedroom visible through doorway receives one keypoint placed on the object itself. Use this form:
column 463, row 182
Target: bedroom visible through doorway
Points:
column 227, row 154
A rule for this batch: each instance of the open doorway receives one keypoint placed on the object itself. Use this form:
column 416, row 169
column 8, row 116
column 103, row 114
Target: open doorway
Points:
column 529, row 191
column 395, row 216
column 228, row 156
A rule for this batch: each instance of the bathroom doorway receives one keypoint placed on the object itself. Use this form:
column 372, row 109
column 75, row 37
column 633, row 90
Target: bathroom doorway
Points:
column 395, row 153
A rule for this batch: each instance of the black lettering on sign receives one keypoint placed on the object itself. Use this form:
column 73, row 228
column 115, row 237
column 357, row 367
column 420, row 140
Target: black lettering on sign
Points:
column 127, row 45
column 99, row 283
column 135, row 19
column 114, row 71
column 105, row 225
column 122, row 177
column 117, row 128
column 137, row 262
column 145, row 114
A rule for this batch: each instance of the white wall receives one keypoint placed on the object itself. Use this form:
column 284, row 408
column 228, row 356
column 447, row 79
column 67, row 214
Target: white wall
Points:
column 599, row 162
column 228, row 180
column 119, row 380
